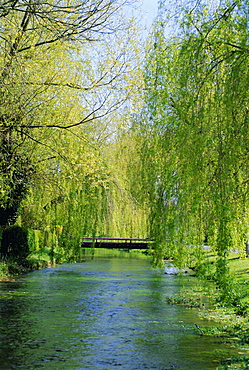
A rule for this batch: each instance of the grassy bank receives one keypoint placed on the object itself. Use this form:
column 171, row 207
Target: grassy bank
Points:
column 11, row 267
column 230, row 312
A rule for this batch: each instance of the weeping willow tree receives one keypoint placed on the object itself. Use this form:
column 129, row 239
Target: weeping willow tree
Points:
column 40, row 65
column 84, row 194
column 196, row 109
column 127, row 210
column 67, row 200
column 64, row 70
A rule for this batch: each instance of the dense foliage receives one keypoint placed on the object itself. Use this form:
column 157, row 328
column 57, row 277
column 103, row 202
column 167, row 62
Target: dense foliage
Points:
column 16, row 243
column 89, row 147
column 67, row 74
column 196, row 132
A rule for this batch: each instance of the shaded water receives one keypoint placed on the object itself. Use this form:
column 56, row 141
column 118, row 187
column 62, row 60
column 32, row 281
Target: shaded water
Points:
column 102, row 314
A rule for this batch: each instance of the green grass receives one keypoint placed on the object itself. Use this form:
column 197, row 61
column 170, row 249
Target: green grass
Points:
column 11, row 267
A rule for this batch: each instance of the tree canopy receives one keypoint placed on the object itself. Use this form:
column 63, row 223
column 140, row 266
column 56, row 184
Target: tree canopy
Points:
column 196, row 109
column 96, row 140
column 61, row 67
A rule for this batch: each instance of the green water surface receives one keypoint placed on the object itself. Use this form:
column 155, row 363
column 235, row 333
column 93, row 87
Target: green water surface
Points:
column 102, row 314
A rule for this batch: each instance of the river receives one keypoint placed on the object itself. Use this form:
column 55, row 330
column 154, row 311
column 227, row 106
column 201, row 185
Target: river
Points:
column 101, row 314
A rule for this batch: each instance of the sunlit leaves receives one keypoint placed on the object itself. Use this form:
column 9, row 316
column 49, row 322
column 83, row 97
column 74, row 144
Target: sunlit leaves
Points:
column 64, row 67
column 197, row 101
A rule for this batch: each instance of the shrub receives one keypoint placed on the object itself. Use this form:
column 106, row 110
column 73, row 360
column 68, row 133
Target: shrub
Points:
column 16, row 242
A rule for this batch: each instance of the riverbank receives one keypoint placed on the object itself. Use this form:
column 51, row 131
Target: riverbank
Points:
column 230, row 314
column 10, row 267
column 40, row 259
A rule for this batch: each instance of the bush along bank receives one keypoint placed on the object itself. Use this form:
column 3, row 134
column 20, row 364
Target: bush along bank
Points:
column 227, row 307
column 18, row 244
column 23, row 250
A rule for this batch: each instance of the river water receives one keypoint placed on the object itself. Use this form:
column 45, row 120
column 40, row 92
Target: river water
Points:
column 101, row 314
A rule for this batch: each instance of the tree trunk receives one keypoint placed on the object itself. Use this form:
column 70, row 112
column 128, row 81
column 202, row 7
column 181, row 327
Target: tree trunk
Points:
column 247, row 248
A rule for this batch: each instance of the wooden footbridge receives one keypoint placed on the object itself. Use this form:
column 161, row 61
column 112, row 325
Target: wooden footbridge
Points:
column 117, row 243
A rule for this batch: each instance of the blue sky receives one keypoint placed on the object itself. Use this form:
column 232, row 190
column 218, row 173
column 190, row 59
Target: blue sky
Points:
column 150, row 9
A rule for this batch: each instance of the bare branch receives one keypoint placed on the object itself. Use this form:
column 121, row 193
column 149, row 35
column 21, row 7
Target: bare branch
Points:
column 89, row 118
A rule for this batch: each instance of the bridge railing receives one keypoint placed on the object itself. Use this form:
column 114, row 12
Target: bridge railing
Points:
column 117, row 243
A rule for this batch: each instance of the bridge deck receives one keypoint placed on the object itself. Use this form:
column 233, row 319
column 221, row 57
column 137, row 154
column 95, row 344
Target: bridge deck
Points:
column 116, row 243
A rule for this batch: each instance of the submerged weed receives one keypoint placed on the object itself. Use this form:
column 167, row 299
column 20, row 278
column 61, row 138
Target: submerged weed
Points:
column 235, row 362
column 185, row 301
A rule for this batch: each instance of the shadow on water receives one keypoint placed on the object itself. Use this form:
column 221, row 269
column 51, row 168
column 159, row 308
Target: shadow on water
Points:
column 103, row 314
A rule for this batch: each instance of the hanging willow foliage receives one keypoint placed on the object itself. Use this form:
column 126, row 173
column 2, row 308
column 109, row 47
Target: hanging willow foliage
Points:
column 197, row 132
column 84, row 193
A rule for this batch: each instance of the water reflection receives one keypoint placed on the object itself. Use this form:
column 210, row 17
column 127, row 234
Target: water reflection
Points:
column 103, row 314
